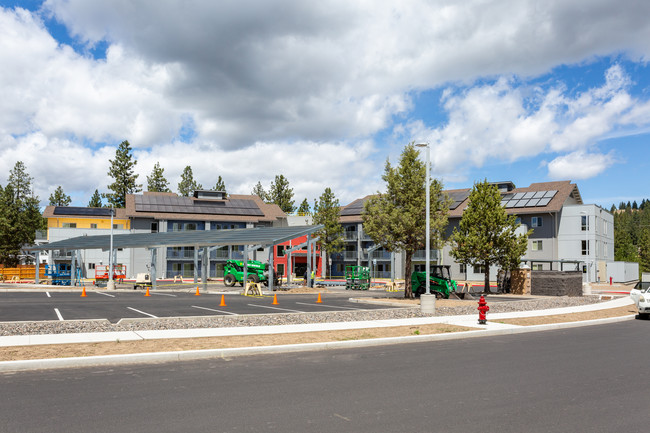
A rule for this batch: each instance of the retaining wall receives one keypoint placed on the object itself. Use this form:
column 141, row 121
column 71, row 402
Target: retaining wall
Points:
column 556, row 283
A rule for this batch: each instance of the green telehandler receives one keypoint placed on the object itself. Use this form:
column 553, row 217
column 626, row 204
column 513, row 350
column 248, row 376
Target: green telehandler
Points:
column 440, row 282
column 258, row 272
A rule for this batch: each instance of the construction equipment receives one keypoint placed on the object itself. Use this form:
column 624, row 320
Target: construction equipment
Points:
column 257, row 272
column 143, row 280
column 357, row 278
column 440, row 282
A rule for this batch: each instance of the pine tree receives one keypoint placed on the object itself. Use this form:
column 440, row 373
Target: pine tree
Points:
column 258, row 190
column 396, row 219
column 486, row 234
column 327, row 212
column 20, row 215
column 59, row 198
column 220, row 185
column 281, row 194
column 122, row 172
column 188, row 185
column 304, row 208
column 95, row 200
column 635, row 205
column 157, row 182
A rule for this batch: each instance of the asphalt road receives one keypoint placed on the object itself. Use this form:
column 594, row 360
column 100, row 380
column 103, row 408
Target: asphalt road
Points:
column 578, row 379
column 38, row 306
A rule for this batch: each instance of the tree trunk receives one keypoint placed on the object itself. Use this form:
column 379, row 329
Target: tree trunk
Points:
column 408, row 292
column 486, row 288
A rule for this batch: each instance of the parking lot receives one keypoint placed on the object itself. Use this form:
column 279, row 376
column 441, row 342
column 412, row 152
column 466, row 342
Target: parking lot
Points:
column 54, row 305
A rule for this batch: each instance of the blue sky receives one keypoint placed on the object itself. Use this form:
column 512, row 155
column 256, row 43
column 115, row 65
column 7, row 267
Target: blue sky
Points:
column 323, row 93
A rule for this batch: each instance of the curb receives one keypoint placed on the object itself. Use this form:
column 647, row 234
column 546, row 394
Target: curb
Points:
column 193, row 355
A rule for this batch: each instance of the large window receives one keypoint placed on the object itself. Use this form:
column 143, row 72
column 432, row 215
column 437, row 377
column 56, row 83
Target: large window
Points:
column 280, row 250
column 463, row 268
column 537, row 246
column 69, row 225
column 479, row 269
column 584, row 222
column 585, row 248
column 536, row 221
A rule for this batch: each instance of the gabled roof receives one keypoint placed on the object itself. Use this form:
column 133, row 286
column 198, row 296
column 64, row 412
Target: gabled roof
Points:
column 541, row 197
column 170, row 206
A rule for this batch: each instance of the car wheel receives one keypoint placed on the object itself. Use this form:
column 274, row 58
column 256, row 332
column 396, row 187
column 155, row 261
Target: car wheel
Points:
column 643, row 316
column 229, row 280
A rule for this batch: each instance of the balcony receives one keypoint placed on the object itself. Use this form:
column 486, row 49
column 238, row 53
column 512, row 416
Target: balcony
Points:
column 350, row 255
column 421, row 255
column 380, row 255
column 350, row 236
column 180, row 254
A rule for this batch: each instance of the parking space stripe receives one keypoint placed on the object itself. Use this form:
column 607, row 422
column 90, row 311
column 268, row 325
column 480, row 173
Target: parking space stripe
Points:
column 58, row 314
column 48, row 294
column 106, row 294
column 275, row 308
column 162, row 294
column 142, row 312
column 218, row 311
column 330, row 306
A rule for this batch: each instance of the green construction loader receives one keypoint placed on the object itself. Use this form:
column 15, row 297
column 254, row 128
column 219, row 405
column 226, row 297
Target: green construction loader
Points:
column 440, row 282
column 233, row 272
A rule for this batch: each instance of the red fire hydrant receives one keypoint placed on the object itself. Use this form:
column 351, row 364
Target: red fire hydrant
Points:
column 482, row 311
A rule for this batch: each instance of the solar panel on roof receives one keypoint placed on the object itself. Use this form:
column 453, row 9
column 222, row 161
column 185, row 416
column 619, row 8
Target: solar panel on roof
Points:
column 533, row 202
column 518, row 196
column 529, row 194
column 539, row 194
column 522, row 203
column 512, row 203
column 82, row 211
column 550, row 194
column 543, row 201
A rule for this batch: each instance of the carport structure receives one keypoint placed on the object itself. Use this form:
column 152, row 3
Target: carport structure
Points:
column 250, row 238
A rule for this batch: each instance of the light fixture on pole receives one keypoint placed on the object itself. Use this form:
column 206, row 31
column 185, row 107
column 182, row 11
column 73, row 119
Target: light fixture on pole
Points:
column 428, row 232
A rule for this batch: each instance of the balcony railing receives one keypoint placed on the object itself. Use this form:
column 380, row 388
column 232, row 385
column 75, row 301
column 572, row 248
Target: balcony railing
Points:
column 350, row 236
column 380, row 255
column 421, row 255
column 182, row 254
column 350, row 255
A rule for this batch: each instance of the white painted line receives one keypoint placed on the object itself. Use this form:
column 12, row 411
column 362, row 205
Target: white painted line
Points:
column 106, row 294
column 274, row 308
column 58, row 314
column 142, row 312
column 48, row 294
column 162, row 294
column 330, row 306
column 218, row 311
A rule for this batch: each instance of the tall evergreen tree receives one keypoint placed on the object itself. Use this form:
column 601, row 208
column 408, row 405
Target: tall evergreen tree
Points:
column 187, row 184
column 396, row 219
column 157, row 181
column 281, row 194
column 258, row 190
column 59, row 198
column 486, row 234
column 327, row 212
column 220, row 185
column 95, row 200
column 304, row 208
column 123, row 174
column 20, row 215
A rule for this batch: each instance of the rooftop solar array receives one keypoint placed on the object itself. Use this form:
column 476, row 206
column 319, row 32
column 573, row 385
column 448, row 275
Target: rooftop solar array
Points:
column 171, row 204
column 457, row 198
column 354, row 208
column 527, row 199
column 82, row 211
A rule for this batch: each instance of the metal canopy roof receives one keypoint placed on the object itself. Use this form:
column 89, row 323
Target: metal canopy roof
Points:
column 200, row 238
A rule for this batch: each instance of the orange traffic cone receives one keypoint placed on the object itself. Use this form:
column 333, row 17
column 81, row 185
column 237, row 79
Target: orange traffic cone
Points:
column 223, row 301
column 197, row 291
column 83, row 292
column 318, row 301
column 147, row 294
column 275, row 299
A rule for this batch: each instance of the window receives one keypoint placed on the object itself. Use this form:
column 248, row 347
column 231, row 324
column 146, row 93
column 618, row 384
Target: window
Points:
column 118, row 226
column 280, row 270
column 280, row 251
column 537, row 245
column 536, row 221
column 584, row 220
column 69, row 225
column 478, row 269
column 154, row 227
column 538, row 267
column 585, row 248
column 93, row 225
column 190, row 226
column 177, row 227
column 91, row 266
column 463, row 268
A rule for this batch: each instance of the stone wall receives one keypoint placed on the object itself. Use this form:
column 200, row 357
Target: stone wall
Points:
column 556, row 283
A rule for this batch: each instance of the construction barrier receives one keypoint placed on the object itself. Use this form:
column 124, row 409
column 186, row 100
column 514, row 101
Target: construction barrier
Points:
column 21, row 272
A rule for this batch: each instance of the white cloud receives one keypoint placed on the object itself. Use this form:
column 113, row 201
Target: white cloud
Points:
column 579, row 165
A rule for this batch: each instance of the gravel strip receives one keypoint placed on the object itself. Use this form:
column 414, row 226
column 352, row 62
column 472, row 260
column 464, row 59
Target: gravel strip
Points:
column 58, row 327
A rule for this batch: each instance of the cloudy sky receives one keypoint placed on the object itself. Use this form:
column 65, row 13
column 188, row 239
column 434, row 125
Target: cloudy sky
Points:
column 324, row 92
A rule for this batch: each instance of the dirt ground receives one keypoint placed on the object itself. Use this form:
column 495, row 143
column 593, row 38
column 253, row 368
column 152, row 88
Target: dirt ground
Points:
column 165, row 345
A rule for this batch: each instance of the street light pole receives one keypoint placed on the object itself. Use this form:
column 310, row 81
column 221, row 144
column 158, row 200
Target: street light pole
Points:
column 111, row 283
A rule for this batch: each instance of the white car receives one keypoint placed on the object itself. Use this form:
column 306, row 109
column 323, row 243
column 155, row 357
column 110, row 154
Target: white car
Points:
column 640, row 294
